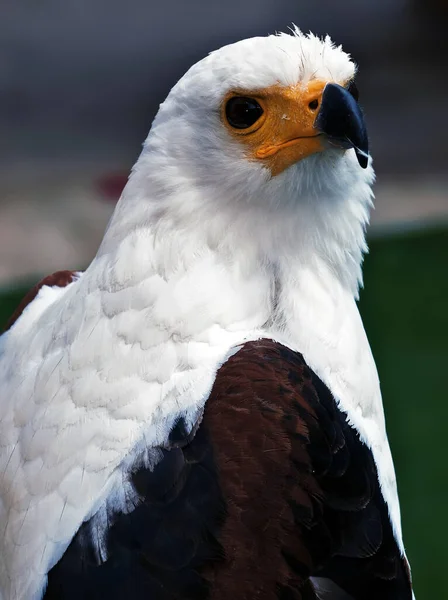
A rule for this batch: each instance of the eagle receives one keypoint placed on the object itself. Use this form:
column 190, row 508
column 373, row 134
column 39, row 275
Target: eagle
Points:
column 198, row 414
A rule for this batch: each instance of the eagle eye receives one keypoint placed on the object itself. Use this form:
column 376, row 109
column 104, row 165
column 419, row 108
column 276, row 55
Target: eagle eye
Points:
column 352, row 88
column 242, row 112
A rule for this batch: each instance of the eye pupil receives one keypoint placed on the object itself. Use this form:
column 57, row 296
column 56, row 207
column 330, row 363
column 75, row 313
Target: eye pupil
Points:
column 242, row 112
column 353, row 89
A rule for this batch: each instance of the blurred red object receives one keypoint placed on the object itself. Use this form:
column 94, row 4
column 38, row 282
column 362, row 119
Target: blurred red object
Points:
column 111, row 186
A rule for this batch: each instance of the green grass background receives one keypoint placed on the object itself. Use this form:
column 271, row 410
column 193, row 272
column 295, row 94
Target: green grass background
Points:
column 404, row 306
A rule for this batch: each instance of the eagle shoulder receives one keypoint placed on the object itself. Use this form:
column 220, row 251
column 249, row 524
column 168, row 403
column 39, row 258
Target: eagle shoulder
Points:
column 58, row 279
column 272, row 496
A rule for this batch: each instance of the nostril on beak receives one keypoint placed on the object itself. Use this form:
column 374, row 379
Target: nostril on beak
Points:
column 313, row 104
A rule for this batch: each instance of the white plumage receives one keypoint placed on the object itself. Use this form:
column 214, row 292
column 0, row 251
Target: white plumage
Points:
column 205, row 250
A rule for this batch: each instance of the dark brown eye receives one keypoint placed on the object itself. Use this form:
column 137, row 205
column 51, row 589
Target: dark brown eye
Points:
column 242, row 112
column 353, row 89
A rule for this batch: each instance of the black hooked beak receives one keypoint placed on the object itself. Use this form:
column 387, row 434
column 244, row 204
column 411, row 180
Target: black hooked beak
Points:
column 341, row 119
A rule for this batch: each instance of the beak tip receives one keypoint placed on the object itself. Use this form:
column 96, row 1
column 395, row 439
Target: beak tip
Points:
column 363, row 158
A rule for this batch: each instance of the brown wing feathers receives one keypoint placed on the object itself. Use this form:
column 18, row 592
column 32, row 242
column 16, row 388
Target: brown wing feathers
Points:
column 302, row 490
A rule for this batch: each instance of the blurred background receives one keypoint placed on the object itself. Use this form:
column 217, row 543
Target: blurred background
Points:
column 80, row 81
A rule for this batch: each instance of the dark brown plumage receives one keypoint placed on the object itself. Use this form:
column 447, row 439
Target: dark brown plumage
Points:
column 302, row 492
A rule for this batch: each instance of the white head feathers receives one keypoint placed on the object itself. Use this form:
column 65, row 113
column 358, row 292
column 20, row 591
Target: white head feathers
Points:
column 194, row 173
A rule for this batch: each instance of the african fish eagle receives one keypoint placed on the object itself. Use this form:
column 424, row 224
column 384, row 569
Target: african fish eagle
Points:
column 198, row 414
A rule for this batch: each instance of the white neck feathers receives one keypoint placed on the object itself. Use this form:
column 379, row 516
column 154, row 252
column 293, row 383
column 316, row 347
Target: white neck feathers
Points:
column 305, row 216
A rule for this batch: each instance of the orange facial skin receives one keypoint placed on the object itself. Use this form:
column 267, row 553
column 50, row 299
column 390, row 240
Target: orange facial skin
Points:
column 285, row 132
